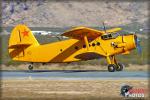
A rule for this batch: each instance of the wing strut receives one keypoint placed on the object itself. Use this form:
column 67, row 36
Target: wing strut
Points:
column 86, row 42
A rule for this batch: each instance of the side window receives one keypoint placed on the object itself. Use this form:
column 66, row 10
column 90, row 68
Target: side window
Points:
column 109, row 36
column 106, row 36
column 103, row 37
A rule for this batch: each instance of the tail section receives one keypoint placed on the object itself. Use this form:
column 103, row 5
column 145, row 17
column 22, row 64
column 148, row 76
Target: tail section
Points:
column 21, row 37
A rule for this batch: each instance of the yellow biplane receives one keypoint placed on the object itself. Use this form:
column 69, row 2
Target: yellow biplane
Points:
column 84, row 44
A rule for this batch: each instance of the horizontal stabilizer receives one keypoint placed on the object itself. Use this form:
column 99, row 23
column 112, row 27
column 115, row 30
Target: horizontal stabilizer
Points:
column 19, row 45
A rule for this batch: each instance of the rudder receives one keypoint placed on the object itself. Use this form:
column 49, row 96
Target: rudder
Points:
column 21, row 34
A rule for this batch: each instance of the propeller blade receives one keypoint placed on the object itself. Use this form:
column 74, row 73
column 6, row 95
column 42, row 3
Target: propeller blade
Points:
column 138, row 46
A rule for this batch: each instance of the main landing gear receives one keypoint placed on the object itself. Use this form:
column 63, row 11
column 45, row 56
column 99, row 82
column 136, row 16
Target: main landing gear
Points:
column 113, row 65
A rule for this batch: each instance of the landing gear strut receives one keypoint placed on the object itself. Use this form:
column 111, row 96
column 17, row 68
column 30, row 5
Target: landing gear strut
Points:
column 113, row 65
column 30, row 67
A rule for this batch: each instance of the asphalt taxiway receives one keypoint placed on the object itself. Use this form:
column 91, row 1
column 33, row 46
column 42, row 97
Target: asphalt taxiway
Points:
column 73, row 75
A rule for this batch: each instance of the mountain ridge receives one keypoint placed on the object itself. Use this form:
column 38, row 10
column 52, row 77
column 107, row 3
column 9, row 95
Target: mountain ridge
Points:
column 73, row 13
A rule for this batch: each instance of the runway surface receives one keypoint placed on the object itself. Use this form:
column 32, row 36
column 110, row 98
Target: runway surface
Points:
column 73, row 75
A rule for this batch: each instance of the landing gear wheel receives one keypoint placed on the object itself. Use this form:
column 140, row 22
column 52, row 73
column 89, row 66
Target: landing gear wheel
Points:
column 111, row 67
column 30, row 67
column 119, row 67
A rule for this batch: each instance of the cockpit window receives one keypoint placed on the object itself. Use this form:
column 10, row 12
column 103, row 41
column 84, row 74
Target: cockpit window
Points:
column 114, row 35
column 110, row 36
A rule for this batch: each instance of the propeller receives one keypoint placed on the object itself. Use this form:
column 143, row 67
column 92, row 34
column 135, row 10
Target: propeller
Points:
column 138, row 46
column 137, row 41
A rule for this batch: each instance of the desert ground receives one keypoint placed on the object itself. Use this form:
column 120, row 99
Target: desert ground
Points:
column 67, row 89
column 16, row 89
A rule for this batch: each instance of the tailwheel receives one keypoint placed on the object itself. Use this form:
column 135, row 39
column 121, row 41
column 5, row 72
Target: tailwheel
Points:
column 30, row 67
column 119, row 67
column 111, row 67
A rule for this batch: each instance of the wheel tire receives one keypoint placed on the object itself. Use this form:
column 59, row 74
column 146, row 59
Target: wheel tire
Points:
column 119, row 67
column 30, row 67
column 111, row 67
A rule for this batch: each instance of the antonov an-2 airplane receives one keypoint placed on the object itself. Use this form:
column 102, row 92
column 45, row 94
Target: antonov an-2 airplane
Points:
column 84, row 44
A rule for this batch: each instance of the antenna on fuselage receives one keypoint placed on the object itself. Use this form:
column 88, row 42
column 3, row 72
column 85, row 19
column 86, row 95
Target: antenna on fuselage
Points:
column 104, row 27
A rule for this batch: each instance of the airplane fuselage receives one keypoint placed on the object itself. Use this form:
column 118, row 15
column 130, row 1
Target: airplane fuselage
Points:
column 75, row 50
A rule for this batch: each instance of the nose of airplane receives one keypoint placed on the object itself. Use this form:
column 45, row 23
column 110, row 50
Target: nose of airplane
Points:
column 131, row 41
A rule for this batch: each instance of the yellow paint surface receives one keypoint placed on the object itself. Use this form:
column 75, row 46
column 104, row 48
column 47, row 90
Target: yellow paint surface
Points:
column 24, row 47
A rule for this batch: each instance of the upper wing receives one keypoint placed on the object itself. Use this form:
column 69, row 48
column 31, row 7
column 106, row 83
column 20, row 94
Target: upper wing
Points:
column 80, row 32
column 113, row 30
